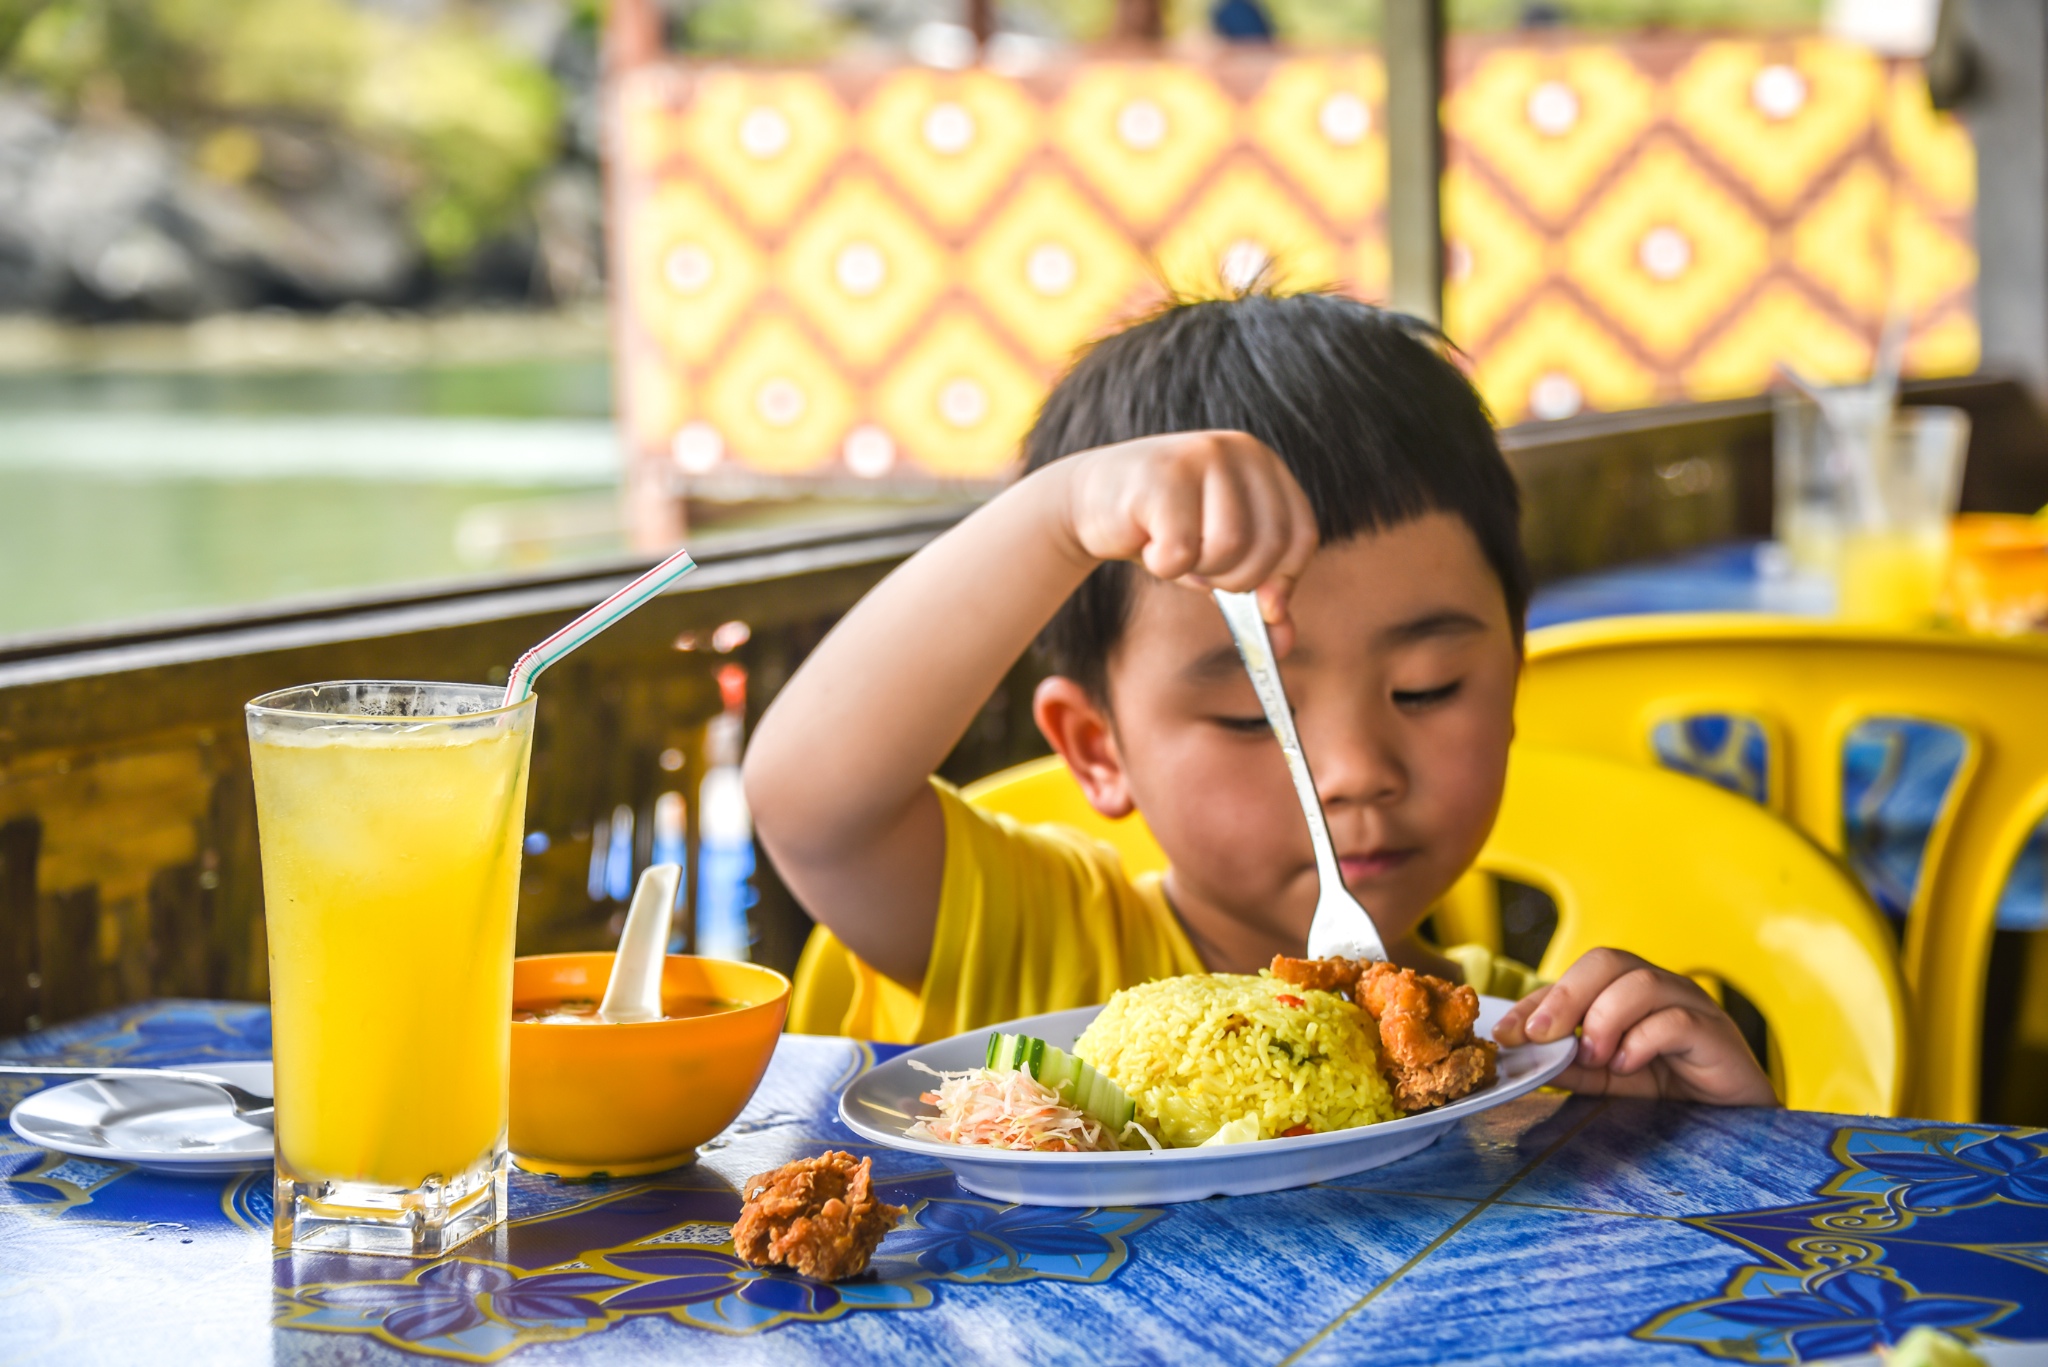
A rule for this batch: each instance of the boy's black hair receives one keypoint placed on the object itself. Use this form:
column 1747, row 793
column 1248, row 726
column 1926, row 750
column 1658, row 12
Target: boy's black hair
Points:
column 1360, row 402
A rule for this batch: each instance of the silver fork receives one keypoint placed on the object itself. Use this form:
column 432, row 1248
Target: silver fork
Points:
column 1341, row 928
column 249, row 1107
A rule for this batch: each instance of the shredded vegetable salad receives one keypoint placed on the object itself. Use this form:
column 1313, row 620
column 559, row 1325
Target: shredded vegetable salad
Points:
column 1008, row 1109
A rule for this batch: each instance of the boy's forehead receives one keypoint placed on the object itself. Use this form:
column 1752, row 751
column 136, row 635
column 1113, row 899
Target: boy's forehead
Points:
column 1425, row 577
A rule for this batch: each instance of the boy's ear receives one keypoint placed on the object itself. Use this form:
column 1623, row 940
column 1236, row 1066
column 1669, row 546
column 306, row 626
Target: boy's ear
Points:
column 1080, row 731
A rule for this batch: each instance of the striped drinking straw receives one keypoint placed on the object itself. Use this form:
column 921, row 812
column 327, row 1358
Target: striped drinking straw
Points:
column 520, row 684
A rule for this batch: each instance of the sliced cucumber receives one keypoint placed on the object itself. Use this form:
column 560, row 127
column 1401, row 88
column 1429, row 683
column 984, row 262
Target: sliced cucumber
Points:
column 1076, row 1080
column 1061, row 1072
column 1105, row 1100
column 1012, row 1053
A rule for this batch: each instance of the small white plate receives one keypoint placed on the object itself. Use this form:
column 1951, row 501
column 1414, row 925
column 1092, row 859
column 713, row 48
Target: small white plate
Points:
column 882, row 1102
column 182, row 1128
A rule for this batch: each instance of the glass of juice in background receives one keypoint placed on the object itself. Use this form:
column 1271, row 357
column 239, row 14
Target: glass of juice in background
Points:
column 390, row 818
column 1865, row 495
column 1895, row 549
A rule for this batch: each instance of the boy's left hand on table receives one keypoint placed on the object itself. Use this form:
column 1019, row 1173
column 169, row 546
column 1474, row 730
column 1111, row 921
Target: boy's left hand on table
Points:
column 1647, row 1033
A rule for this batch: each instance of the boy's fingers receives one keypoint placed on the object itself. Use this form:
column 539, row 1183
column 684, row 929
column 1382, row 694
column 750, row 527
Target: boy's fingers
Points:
column 1262, row 546
column 1274, row 596
column 1292, row 516
column 1672, row 1030
column 1302, row 536
column 1674, row 1033
column 1512, row 1028
column 1170, row 515
column 1697, row 1055
column 1231, row 520
column 1566, row 1004
column 1633, row 997
column 1281, row 634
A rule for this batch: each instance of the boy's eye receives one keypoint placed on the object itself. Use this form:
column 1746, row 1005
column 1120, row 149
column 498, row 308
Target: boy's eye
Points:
column 1412, row 699
column 1243, row 725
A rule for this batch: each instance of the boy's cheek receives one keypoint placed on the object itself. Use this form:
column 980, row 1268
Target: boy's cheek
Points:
column 1226, row 819
column 1456, row 797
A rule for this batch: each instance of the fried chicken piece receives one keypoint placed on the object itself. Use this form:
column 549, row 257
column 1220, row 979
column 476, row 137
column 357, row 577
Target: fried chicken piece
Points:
column 817, row 1216
column 1425, row 1024
column 1421, row 1018
column 1319, row 975
column 1461, row 1072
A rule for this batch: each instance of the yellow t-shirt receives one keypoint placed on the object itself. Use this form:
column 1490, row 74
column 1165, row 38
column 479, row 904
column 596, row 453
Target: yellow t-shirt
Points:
column 1031, row 919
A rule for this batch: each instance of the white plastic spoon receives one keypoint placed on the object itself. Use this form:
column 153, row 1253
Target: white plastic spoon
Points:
column 1341, row 929
column 633, row 996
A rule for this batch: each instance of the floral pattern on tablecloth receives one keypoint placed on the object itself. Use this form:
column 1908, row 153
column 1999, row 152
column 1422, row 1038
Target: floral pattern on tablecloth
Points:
column 1944, row 1226
column 480, row 1304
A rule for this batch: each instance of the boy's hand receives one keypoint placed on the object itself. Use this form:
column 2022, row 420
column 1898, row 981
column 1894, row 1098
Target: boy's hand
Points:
column 1646, row 1033
column 1217, row 510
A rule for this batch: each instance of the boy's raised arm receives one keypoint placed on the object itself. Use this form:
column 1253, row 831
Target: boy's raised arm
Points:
column 837, row 774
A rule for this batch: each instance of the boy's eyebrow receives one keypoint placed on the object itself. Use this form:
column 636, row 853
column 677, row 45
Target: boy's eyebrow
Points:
column 1212, row 665
column 1447, row 622
column 1222, row 662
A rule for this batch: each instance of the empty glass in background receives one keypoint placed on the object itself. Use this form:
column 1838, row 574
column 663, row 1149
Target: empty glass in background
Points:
column 389, row 817
column 1865, row 497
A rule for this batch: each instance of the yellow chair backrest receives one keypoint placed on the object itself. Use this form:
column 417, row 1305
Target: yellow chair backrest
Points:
column 1681, row 873
column 1602, row 687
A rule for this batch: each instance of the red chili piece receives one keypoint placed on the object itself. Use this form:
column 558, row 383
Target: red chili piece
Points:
column 1294, row 1130
column 1288, row 999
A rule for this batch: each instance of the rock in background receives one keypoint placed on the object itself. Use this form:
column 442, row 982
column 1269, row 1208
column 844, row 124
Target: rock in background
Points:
column 175, row 158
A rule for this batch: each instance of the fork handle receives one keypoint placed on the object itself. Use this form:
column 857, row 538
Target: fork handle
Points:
column 1255, row 647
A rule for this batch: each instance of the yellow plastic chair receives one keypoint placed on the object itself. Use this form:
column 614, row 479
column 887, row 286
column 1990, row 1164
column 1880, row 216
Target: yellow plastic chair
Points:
column 1689, row 877
column 1602, row 687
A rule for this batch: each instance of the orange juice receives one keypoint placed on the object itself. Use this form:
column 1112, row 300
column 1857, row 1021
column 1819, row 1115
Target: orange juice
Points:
column 1892, row 577
column 390, row 877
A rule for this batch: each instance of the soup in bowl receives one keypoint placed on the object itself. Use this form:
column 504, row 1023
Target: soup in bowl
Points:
column 589, row 1098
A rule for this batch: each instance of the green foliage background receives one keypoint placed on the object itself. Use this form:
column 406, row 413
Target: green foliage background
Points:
column 463, row 123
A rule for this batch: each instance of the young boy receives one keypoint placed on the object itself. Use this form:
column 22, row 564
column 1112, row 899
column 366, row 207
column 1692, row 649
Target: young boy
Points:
column 1321, row 452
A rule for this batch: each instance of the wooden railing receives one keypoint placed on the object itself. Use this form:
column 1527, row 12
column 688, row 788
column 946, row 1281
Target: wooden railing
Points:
column 128, row 856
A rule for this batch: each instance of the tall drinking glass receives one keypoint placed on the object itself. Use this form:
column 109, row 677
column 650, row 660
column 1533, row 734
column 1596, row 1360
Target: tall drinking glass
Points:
column 1895, row 556
column 1864, row 499
column 390, row 817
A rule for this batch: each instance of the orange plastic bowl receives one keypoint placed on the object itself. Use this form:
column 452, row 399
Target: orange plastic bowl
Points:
column 625, row 1099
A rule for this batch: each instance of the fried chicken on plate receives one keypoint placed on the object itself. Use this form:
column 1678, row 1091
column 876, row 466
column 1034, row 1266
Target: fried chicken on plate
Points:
column 817, row 1216
column 1427, row 1048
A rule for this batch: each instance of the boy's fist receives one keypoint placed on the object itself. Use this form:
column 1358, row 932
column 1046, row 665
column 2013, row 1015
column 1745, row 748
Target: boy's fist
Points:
column 1646, row 1033
column 1217, row 510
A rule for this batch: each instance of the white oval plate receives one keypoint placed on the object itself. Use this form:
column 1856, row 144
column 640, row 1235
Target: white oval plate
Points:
column 883, row 1101
column 181, row 1128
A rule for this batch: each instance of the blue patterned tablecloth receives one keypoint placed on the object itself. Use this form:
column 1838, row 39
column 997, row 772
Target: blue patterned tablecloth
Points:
column 1551, row 1229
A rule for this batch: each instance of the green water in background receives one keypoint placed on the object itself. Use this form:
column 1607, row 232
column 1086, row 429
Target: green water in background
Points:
column 521, row 389
column 125, row 496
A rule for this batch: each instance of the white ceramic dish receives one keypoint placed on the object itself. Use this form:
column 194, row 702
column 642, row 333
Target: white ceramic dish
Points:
column 882, row 1102
column 181, row 1128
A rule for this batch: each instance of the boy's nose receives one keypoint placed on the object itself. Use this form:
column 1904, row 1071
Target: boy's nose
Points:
column 1354, row 766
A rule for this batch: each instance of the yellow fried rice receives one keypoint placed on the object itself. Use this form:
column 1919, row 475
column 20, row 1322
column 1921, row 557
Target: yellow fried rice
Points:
column 1198, row 1052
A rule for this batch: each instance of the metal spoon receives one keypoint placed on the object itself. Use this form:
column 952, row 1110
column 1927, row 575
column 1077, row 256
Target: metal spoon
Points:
column 633, row 995
column 249, row 1107
column 1341, row 928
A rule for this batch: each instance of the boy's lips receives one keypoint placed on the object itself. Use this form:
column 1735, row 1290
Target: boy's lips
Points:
column 1372, row 864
